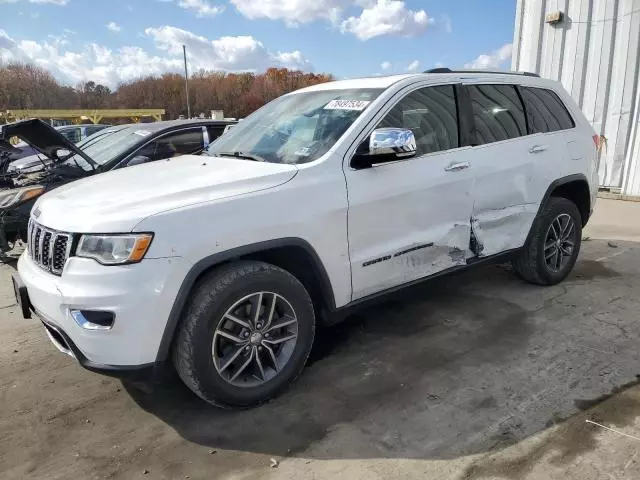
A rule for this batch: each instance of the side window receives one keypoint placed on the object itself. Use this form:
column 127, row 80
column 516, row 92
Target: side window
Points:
column 432, row 116
column 174, row 145
column 72, row 134
column 93, row 129
column 214, row 132
column 546, row 111
column 498, row 113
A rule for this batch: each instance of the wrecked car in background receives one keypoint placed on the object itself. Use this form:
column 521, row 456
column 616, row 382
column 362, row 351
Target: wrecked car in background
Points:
column 29, row 160
column 108, row 149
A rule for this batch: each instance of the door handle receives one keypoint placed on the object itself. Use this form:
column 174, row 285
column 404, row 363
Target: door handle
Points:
column 454, row 167
column 537, row 149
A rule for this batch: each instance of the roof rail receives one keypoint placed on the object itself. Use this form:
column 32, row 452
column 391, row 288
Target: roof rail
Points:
column 504, row 72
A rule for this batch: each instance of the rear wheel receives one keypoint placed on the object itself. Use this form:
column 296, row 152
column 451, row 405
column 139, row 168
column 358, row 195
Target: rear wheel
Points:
column 245, row 335
column 553, row 248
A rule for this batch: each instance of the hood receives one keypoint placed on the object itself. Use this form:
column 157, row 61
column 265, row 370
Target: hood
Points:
column 41, row 136
column 117, row 201
column 6, row 147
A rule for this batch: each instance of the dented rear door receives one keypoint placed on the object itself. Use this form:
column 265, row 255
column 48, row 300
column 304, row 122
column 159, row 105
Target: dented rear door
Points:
column 410, row 219
column 506, row 191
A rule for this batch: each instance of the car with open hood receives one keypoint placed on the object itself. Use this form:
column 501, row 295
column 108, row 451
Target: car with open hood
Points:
column 29, row 160
column 108, row 149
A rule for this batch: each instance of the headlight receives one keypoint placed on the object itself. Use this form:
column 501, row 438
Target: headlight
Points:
column 115, row 249
column 15, row 196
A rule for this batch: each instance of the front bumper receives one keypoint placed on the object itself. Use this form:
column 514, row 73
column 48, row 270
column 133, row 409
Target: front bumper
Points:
column 139, row 295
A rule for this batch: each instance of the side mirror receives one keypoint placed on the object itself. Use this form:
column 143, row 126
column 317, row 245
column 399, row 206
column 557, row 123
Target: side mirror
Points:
column 137, row 160
column 386, row 145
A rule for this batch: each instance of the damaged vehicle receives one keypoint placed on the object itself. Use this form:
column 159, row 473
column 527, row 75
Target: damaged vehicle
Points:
column 29, row 160
column 324, row 199
column 60, row 161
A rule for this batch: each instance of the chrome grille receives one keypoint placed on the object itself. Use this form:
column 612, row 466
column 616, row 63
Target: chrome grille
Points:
column 48, row 248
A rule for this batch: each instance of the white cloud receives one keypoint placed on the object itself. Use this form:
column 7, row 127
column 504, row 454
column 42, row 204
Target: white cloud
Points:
column 386, row 17
column 493, row 60
column 203, row 8
column 114, row 27
column 385, row 65
column 103, row 65
column 413, row 66
column 225, row 53
column 377, row 17
column 292, row 12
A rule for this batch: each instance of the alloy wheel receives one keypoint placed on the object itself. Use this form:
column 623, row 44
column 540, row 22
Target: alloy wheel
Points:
column 559, row 242
column 255, row 339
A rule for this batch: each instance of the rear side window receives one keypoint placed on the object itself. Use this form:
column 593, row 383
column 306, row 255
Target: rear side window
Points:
column 432, row 116
column 546, row 111
column 174, row 145
column 72, row 134
column 498, row 113
column 215, row 131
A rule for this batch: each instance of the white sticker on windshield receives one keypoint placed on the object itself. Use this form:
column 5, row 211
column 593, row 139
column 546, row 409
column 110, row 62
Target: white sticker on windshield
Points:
column 357, row 105
column 142, row 133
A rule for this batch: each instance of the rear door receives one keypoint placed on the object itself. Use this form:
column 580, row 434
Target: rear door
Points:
column 551, row 128
column 506, row 182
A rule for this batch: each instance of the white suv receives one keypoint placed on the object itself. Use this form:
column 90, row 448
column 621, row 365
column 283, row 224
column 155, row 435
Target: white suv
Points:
column 321, row 200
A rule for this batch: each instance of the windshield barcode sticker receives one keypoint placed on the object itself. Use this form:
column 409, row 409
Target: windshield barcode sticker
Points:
column 142, row 133
column 357, row 105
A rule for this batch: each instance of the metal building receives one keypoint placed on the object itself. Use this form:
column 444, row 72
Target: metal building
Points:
column 593, row 48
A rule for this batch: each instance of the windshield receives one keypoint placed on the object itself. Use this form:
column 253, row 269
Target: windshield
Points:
column 107, row 144
column 295, row 128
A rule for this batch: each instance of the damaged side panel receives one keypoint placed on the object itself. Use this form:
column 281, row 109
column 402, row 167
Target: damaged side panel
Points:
column 494, row 231
column 449, row 249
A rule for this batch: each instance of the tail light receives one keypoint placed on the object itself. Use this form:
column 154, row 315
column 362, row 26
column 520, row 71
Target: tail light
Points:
column 596, row 141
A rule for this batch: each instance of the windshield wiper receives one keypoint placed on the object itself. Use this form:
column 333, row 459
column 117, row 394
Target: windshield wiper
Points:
column 245, row 156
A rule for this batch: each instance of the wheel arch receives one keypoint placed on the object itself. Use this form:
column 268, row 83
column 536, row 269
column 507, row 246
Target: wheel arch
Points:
column 572, row 187
column 291, row 254
column 575, row 188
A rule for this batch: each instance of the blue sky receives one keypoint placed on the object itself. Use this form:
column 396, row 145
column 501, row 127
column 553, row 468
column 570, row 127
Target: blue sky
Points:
column 114, row 40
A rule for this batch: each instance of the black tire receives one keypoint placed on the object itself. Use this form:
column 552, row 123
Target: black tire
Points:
column 531, row 265
column 213, row 295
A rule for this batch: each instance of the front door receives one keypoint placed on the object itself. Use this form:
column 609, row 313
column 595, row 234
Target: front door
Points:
column 412, row 218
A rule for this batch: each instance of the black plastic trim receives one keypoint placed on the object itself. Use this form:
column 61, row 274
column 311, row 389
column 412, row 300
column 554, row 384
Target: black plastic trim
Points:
column 501, row 72
column 146, row 373
column 466, row 128
column 363, row 302
column 576, row 177
column 218, row 258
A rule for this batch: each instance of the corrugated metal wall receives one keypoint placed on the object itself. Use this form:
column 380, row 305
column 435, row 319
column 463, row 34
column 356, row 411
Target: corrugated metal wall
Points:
column 595, row 52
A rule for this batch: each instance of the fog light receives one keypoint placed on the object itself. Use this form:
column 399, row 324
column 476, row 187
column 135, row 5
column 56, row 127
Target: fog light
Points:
column 93, row 319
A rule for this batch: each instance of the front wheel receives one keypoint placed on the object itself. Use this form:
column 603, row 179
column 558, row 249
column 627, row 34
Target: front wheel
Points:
column 246, row 334
column 554, row 244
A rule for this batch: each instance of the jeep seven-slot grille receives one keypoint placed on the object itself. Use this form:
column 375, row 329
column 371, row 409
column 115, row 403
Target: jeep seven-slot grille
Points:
column 48, row 248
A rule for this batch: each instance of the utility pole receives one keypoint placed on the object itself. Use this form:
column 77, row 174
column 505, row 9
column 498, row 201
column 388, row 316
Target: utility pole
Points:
column 186, row 80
